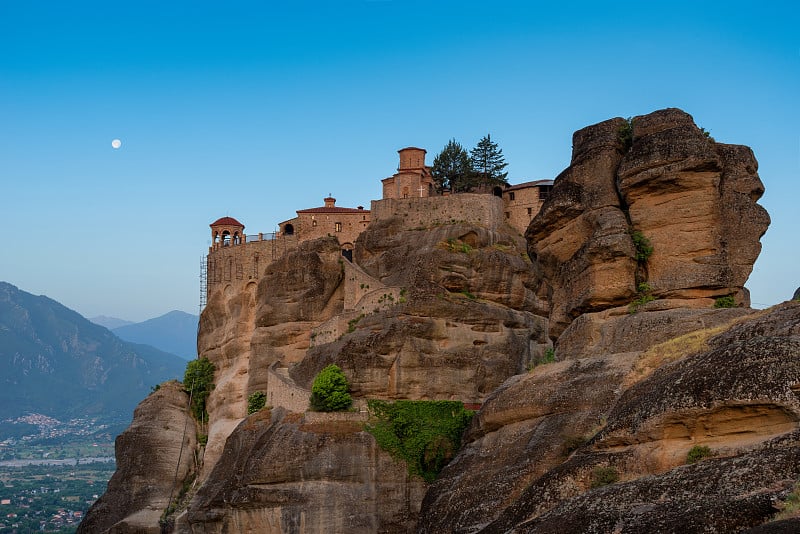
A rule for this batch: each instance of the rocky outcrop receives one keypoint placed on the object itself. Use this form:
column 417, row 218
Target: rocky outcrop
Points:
column 737, row 395
column 660, row 178
column 451, row 307
column 283, row 473
column 155, row 456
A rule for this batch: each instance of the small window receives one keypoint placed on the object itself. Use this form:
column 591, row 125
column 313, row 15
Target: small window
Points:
column 508, row 215
column 530, row 211
column 313, row 223
column 544, row 191
column 511, row 196
column 337, row 226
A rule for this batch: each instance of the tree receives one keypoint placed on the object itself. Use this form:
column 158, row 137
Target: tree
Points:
column 198, row 381
column 452, row 169
column 488, row 163
column 329, row 393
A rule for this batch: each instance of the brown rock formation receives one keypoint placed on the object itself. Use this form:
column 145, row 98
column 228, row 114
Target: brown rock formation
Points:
column 154, row 456
column 283, row 473
column 692, row 198
column 738, row 396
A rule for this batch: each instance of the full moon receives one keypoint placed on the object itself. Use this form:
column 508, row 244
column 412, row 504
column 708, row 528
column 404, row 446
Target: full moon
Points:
column 116, row 143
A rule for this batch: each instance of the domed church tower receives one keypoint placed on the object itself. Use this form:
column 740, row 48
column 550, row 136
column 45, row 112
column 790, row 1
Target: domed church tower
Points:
column 225, row 232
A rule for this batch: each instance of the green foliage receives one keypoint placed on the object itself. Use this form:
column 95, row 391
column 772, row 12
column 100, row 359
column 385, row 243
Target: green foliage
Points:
column 469, row 295
column 329, row 393
column 603, row 476
column 256, row 401
column 452, row 169
column 625, row 134
column 425, row 434
column 198, row 381
column 549, row 356
column 642, row 245
column 351, row 324
column 725, row 302
column 456, row 245
column 155, row 388
column 488, row 163
column 791, row 506
column 644, row 296
column 697, row 453
column 202, row 439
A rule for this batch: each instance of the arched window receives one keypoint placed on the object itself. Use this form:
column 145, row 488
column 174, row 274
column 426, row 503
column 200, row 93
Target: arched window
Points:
column 498, row 192
column 288, row 229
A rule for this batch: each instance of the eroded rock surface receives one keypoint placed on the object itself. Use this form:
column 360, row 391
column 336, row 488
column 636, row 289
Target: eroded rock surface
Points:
column 154, row 456
column 694, row 199
column 738, row 396
column 284, row 473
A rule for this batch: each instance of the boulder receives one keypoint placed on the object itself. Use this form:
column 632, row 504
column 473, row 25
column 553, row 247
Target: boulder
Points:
column 155, row 455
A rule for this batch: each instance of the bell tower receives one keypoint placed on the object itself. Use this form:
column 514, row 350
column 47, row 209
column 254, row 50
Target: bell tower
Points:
column 226, row 232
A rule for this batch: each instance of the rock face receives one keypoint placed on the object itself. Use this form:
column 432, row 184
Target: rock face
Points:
column 662, row 178
column 450, row 307
column 154, row 457
column 285, row 473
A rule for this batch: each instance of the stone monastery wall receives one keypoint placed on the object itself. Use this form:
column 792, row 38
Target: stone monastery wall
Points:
column 474, row 208
column 244, row 262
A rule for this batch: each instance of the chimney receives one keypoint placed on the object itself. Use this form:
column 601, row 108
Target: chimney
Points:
column 330, row 202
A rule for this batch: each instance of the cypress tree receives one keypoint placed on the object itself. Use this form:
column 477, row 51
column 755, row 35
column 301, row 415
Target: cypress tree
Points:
column 488, row 163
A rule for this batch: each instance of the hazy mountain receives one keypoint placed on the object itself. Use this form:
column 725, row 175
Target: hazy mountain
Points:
column 174, row 332
column 110, row 322
column 55, row 362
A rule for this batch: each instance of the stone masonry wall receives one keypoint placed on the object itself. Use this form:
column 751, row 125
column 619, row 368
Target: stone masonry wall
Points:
column 481, row 209
column 244, row 262
column 282, row 391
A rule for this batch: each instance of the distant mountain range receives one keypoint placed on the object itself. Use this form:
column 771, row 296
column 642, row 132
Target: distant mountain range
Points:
column 110, row 322
column 55, row 362
column 174, row 332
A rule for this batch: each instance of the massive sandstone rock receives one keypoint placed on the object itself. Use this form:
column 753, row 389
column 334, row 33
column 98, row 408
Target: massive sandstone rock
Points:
column 735, row 391
column 154, row 457
column 283, row 473
column 694, row 199
column 441, row 308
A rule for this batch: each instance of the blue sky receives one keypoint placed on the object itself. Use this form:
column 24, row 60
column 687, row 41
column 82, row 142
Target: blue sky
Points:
column 257, row 109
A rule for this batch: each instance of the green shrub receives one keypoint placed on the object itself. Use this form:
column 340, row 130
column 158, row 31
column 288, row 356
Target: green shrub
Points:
column 351, row 324
column 791, row 506
column 256, row 401
column 469, row 295
column 644, row 296
column 202, row 439
column 697, row 453
column 642, row 245
column 625, row 134
column 725, row 302
column 329, row 393
column 549, row 356
column 425, row 434
column 198, row 381
column 603, row 476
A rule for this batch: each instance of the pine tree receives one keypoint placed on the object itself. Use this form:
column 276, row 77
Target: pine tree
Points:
column 488, row 163
column 452, row 169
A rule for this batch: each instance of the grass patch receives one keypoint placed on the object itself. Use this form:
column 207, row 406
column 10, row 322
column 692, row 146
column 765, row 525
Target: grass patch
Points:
column 677, row 348
column 725, row 302
column 697, row 453
column 603, row 476
column 791, row 506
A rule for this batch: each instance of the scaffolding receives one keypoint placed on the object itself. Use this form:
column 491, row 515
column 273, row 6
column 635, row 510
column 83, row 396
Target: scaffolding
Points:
column 203, row 282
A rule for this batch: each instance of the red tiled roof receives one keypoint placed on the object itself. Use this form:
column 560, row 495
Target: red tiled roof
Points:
column 226, row 221
column 332, row 210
